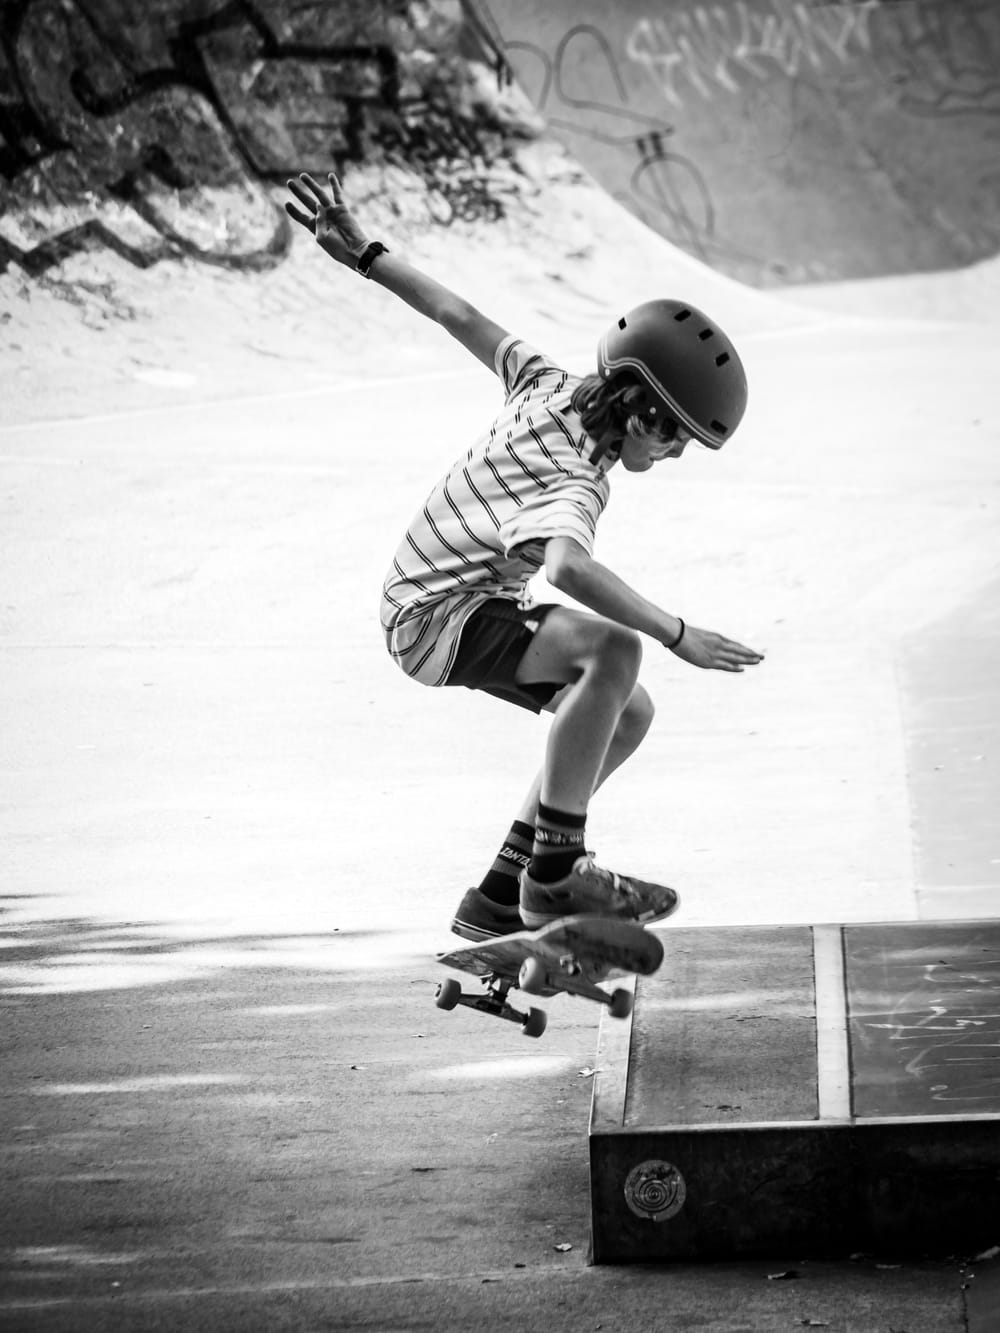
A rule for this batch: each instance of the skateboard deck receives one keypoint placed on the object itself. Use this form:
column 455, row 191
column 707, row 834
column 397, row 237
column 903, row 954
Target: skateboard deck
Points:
column 568, row 956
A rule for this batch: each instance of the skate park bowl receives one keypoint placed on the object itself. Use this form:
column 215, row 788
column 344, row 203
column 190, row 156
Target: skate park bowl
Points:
column 194, row 556
column 777, row 142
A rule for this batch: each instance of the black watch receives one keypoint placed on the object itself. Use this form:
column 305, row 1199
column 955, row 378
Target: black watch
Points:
column 368, row 256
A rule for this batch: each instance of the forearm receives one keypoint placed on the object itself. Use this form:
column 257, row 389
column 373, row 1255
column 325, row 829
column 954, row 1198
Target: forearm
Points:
column 476, row 332
column 324, row 213
column 423, row 293
column 599, row 589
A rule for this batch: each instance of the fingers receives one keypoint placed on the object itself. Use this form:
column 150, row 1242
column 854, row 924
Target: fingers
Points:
column 336, row 193
column 316, row 188
column 314, row 199
column 303, row 219
column 728, row 655
column 734, row 657
column 312, row 204
column 744, row 654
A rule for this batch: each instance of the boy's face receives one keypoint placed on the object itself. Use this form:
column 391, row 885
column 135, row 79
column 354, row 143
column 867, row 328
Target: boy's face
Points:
column 639, row 454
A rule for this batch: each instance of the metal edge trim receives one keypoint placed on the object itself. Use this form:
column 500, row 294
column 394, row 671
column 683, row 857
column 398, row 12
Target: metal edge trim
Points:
column 833, row 1059
column 614, row 1045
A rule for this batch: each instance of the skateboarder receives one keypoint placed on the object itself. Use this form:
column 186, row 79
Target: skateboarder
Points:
column 527, row 496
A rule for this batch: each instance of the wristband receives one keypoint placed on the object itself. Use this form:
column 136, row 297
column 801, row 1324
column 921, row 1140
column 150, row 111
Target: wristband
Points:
column 368, row 256
column 676, row 642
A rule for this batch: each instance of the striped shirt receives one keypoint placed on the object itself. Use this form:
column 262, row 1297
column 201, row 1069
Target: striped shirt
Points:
column 482, row 531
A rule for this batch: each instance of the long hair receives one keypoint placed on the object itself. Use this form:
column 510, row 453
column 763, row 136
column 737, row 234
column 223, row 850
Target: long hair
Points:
column 612, row 407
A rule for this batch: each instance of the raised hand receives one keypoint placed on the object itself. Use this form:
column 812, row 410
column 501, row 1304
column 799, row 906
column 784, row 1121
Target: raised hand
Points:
column 325, row 214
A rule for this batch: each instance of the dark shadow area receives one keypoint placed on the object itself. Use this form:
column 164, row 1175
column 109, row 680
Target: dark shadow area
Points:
column 74, row 954
column 269, row 1127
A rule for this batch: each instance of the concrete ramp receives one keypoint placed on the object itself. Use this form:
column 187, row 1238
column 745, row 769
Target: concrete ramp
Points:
column 779, row 142
column 803, row 1091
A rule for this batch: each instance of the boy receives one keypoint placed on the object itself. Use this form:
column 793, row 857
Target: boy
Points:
column 455, row 609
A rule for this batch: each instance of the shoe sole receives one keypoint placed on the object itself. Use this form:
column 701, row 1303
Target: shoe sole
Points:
column 479, row 934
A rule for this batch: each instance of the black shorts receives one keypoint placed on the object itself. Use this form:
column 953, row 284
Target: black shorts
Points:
column 494, row 639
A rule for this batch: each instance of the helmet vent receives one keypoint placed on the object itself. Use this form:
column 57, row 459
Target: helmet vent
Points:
column 705, row 335
column 722, row 359
column 720, row 428
column 622, row 322
column 682, row 315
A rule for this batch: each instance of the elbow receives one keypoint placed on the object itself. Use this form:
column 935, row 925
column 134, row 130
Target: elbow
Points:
column 455, row 316
column 563, row 566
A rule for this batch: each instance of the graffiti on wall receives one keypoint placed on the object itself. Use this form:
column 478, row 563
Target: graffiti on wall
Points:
column 718, row 124
column 711, row 48
column 166, row 141
column 943, row 1032
column 663, row 181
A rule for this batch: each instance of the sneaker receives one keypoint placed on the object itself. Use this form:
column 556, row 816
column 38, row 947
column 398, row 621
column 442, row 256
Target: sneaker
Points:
column 480, row 918
column 589, row 890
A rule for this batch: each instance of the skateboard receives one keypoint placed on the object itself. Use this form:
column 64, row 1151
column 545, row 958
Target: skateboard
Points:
column 570, row 955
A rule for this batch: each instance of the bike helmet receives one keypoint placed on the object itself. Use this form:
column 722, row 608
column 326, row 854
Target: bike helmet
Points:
column 689, row 367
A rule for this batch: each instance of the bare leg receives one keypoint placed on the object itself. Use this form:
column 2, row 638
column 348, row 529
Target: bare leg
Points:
column 599, row 662
column 600, row 718
column 632, row 727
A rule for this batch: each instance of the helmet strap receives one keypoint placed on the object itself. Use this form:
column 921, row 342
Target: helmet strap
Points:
column 606, row 445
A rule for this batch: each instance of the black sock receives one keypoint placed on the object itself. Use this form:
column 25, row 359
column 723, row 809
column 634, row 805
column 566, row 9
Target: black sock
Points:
column 501, row 884
column 559, row 843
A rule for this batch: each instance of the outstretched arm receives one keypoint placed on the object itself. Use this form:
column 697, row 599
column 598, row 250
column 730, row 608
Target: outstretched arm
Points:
column 569, row 568
column 326, row 215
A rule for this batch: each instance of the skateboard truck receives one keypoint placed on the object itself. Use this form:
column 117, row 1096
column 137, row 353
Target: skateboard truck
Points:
column 567, row 974
column 493, row 1001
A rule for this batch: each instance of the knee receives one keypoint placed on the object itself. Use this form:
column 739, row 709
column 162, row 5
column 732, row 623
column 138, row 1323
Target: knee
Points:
column 637, row 718
column 617, row 652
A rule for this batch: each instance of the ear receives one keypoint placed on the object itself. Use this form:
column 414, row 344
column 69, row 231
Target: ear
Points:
column 641, row 401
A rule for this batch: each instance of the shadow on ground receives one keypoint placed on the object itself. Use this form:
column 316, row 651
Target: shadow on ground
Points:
column 251, row 1133
column 184, row 1115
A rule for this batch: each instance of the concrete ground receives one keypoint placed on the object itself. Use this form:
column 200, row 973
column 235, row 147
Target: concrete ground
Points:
column 273, row 1145
column 233, row 835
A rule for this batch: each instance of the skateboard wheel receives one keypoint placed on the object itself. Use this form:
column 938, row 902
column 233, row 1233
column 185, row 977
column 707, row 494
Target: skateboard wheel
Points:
column 621, row 1004
column 532, row 978
column 448, row 994
column 534, row 1024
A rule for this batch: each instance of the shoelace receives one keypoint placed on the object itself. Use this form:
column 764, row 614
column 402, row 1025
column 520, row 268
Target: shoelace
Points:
column 594, row 871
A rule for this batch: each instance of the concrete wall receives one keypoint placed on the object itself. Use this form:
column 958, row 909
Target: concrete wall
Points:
column 779, row 141
column 160, row 128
